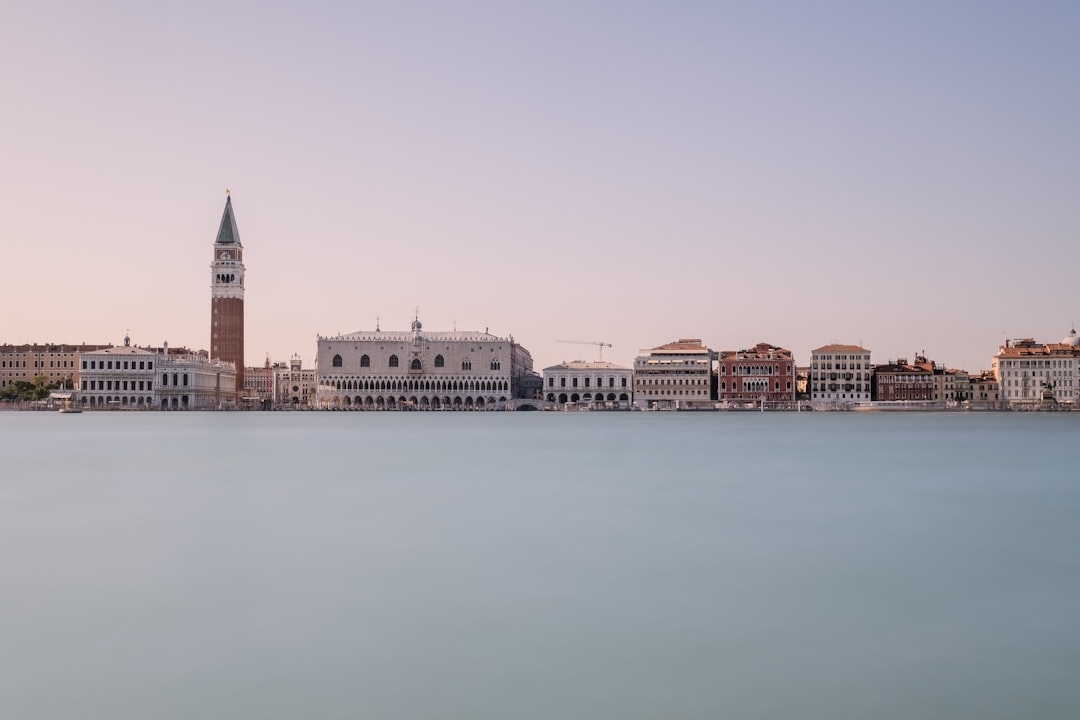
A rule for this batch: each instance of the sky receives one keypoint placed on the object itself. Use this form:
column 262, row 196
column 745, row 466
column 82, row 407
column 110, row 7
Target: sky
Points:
column 903, row 176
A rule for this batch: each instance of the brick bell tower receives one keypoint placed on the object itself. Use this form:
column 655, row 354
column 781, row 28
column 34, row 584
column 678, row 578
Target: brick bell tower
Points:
column 227, row 298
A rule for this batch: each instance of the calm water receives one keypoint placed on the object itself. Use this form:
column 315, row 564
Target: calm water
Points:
column 539, row 565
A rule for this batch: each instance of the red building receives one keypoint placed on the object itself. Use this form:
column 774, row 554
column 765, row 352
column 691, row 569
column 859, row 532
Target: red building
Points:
column 761, row 372
column 902, row 380
column 227, row 298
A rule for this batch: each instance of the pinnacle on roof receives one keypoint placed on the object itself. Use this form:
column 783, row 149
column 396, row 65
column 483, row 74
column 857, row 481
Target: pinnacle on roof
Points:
column 227, row 233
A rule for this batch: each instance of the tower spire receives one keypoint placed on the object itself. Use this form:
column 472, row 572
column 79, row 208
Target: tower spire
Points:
column 227, row 233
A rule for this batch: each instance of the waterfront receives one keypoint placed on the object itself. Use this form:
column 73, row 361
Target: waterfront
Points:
column 539, row 565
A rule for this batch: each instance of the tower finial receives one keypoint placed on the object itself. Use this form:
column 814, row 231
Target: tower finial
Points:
column 228, row 192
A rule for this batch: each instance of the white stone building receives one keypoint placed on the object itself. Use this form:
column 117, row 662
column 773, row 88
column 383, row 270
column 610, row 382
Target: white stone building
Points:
column 1030, row 372
column 118, row 378
column 379, row 370
column 134, row 378
column 597, row 383
column 839, row 375
column 676, row 375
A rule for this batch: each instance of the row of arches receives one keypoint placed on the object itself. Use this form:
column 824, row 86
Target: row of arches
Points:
column 421, row 385
column 125, row 401
column 413, row 402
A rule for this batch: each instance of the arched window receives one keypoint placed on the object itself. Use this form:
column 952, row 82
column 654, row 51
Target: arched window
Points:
column 415, row 364
column 494, row 364
column 466, row 364
column 365, row 361
column 439, row 362
column 393, row 361
column 337, row 361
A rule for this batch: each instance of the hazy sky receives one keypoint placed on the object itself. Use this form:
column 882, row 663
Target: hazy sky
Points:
column 904, row 175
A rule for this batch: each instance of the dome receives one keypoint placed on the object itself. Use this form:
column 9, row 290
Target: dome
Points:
column 1072, row 339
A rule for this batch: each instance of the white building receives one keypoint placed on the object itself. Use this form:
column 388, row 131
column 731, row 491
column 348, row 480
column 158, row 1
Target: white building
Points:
column 840, row 374
column 678, row 375
column 1029, row 372
column 377, row 370
column 596, row 383
column 134, row 378
column 192, row 381
column 118, row 378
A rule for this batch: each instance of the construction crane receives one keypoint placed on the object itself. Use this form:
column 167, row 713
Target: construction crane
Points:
column 597, row 343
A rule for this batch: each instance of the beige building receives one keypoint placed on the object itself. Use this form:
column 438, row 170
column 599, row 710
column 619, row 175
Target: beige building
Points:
column 840, row 375
column 676, row 375
column 258, row 389
column 378, row 370
column 598, row 383
column 294, row 386
column 952, row 386
column 984, row 393
column 59, row 363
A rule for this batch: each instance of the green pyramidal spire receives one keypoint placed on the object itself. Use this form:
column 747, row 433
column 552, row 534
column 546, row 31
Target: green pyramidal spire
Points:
column 227, row 233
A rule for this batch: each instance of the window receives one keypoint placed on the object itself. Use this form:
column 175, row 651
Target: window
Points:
column 495, row 365
column 439, row 362
column 337, row 361
column 393, row 361
column 365, row 361
column 466, row 364
column 551, row 382
column 562, row 382
column 415, row 364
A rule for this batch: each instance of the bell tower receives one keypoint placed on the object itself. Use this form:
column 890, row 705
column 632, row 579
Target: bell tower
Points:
column 227, row 298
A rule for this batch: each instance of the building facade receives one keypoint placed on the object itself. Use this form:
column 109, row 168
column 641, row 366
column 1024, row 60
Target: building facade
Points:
column 1029, row 372
column 675, row 375
column 189, row 380
column 377, row 370
column 984, row 391
column 901, row 381
column 59, row 363
column 227, row 299
column 118, row 378
column 953, row 386
column 598, row 384
column 839, row 374
column 135, row 378
column 259, row 385
column 294, row 386
column 761, row 373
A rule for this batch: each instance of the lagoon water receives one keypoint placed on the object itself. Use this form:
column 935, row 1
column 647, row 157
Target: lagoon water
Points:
column 539, row 565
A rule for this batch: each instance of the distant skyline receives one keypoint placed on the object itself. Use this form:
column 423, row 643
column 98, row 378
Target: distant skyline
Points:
column 901, row 176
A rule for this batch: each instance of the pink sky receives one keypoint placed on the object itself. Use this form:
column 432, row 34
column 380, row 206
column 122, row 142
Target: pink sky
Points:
column 905, row 177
